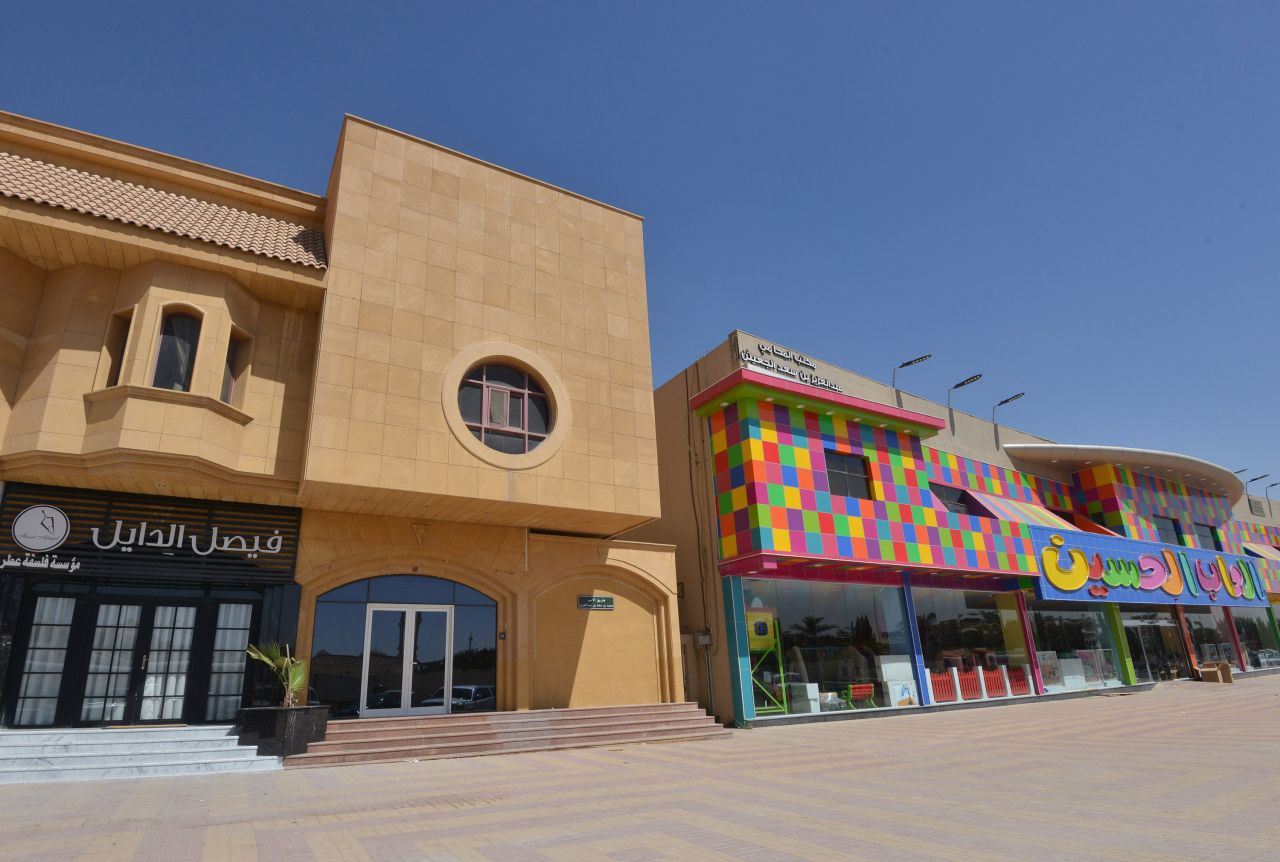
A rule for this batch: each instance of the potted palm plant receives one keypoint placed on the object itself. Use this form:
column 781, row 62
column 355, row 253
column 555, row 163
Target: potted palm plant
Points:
column 288, row 728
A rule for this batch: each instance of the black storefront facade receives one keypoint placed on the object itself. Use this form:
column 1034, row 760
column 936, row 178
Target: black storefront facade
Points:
column 122, row 609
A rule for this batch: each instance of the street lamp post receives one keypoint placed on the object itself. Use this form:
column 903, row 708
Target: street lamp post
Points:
column 951, row 416
column 1250, row 482
column 893, row 378
column 1268, row 493
column 1008, row 400
column 963, row 383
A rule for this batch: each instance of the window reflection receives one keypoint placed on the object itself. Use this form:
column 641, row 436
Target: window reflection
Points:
column 1073, row 645
column 1257, row 637
column 972, row 644
column 818, row 647
column 337, row 653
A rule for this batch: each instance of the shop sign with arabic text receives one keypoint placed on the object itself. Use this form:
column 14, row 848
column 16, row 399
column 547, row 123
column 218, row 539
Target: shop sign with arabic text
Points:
column 1081, row 566
column 48, row 531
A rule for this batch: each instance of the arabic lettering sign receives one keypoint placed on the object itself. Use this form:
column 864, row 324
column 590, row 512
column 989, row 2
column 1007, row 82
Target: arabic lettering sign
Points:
column 760, row 355
column 1090, row 567
column 595, row 603
column 46, row 531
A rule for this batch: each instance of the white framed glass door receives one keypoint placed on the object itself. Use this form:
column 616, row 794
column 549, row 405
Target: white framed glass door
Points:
column 408, row 660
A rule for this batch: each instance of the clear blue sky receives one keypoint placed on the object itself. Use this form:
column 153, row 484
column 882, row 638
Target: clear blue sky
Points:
column 1080, row 200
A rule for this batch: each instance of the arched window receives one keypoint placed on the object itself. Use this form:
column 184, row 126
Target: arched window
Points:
column 179, row 334
column 505, row 408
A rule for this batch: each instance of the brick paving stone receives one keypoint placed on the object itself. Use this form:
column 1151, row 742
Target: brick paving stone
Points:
column 1186, row 773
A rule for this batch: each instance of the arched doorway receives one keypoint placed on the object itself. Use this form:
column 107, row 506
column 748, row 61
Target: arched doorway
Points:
column 403, row 645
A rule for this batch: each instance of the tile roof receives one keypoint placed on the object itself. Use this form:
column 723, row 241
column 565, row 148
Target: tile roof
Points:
column 72, row 189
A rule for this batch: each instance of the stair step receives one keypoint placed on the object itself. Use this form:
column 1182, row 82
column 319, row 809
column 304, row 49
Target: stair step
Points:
column 122, row 747
column 503, row 719
column 513, row 718
column 325, row 753
column 178, row 767
column 96, row 735
column 433, row 735
column 78, row 759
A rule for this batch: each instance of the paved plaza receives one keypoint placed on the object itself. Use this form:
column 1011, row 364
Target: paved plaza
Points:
column 1186, row 772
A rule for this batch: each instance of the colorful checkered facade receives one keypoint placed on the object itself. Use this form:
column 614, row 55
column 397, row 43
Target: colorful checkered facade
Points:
column 1127, row 500
column 772, row 496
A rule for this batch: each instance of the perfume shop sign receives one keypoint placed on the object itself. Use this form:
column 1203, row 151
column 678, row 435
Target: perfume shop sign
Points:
column 1089, row 567
column 49, row 531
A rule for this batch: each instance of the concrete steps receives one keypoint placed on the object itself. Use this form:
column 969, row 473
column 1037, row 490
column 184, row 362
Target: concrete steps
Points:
column 94, row 753
column 474, row 734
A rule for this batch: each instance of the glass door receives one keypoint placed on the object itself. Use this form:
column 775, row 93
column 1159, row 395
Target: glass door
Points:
column 408, row 662
column 138, row 665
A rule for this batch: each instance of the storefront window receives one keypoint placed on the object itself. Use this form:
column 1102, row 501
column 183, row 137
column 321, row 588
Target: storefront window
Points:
column 1073, row 645
column 1155, row 642
column 1257, row 637
column 337, row 644
column 1210, row 634
column 972, row 643
column 819, row 647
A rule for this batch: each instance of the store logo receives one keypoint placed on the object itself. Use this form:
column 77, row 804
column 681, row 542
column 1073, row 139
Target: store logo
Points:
column 41, row 528
column 1170, row 572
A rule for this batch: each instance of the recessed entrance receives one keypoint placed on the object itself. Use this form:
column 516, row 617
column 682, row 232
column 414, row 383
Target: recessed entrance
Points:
column 408, row 661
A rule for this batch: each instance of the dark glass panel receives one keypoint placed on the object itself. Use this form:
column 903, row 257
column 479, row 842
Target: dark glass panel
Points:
column 410, row 590
column 179, row 335
column 515, row 411
column 427, row 680
column 535, row 387
column 470, row 397
column 475, row 657
column 386, row 660
column 539, row 415
column 505, row 375
column 355, row 592
column 337, row 653
column 502, row 441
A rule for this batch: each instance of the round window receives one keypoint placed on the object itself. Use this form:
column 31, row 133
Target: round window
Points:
column 505, row 407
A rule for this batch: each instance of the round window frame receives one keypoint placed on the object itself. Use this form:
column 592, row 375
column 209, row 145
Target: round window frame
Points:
column 498, row 353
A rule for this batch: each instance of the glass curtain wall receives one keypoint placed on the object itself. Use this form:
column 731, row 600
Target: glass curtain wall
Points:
column 337, row 641
column 972, row 643
column 1073, row 645
column 1257, row 637
column 819, row 647
column 1211, row 634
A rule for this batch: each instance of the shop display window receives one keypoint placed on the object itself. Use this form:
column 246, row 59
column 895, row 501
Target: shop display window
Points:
column 821, row 647
column 1210, row 634
column 1073, row 646
column 972, row 644
column 1257, row 637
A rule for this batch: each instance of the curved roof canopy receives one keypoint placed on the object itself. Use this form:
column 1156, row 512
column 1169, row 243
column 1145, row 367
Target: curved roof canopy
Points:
column 1168, row 465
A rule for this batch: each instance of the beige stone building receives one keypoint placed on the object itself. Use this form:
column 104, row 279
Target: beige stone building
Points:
column 396, row 426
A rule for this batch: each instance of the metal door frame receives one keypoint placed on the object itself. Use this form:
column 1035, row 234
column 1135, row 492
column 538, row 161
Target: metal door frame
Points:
column 406, row 670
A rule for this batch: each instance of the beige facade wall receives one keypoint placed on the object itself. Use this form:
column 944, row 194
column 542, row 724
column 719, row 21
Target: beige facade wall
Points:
column 347, row 407
column 63, row 406
column 20, row 289
column 438, row 261
column 551, row 653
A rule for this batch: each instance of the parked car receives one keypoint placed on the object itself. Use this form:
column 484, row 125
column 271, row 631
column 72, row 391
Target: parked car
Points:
column 466, row 698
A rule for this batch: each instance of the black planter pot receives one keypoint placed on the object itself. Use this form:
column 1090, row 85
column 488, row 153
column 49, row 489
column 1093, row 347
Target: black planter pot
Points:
column 282, row 732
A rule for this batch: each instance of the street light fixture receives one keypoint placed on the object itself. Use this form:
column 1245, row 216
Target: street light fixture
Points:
column 1255, row 479
column 1241, row 470
column 963, row 383
column 893, row 378
column 1008, row 400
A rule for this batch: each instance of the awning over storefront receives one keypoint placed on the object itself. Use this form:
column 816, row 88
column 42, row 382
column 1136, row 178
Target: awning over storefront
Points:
column 1023, row 513
column 1265, row 551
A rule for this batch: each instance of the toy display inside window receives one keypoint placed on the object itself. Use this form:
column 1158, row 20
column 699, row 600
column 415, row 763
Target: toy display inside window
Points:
column 820, row 647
